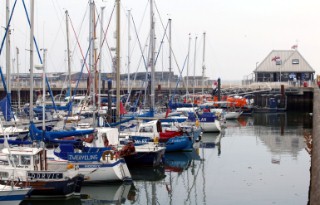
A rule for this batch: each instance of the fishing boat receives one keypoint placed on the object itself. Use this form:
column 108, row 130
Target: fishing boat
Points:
column 29, row 167
column 12, row 195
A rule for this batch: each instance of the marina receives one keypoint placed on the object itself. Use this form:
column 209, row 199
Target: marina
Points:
column 104, row 127
column 257, row 159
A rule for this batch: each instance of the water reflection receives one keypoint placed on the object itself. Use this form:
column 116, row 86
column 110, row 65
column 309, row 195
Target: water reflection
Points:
column 285, row 119
column 147, row 173
column 93, row 194
column 71, row 201
column 180, row 161
column 182, row 171
column 212, row 141
column 285, row 136
column 116, row 193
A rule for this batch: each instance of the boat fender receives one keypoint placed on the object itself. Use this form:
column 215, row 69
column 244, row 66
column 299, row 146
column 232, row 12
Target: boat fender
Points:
column 197, row 123
column 70, row 166
column 105, row 153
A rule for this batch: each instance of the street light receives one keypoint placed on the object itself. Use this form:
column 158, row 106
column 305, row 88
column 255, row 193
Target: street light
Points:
column 43, row 68
column 256, row 71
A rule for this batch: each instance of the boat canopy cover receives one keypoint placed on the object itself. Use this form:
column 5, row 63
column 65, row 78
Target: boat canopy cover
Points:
column 16, row 142
column 5, row 106
column 37, row 134
column 177, row 105
column 203, row 117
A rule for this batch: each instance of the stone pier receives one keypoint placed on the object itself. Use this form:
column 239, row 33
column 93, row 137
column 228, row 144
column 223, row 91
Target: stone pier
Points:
column 315, row 154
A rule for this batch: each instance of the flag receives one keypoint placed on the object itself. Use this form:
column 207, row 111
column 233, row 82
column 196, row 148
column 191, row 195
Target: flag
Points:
column 294, row 47
column 122, row 109
column 167, row 112
column 214, row 84
column 275, row 58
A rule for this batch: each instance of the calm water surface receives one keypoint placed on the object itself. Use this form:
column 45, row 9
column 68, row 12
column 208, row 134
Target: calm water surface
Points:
column 260, row 160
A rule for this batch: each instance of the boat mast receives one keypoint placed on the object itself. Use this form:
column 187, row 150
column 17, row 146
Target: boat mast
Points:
column 31, row 59
column 189, row 43
column 8, row 61
column 118, row 60
column 68, row 56
column 100, row 57
column 44, row 90
column 170, row 64
column 203, row 60
column 194, row 66
column 129, row 39
column 18, row 76
column 92, row 60
column 152, row 38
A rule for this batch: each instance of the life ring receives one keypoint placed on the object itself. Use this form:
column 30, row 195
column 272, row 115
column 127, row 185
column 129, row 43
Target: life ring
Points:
column 105, row 153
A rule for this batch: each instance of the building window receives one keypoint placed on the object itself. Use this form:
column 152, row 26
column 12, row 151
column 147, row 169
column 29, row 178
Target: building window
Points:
column 278, row 62
column 295, row 61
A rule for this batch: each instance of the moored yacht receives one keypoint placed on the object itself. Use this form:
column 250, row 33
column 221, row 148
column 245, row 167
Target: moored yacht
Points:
column 95, row 156
column 28, row 167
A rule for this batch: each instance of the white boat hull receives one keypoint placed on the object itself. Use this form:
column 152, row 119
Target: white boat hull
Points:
column 99, row 172
column 116, row 170
column 232, row 115
column 12, row 195
column 211, row 126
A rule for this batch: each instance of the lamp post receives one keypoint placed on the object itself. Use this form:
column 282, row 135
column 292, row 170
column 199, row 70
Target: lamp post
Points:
column 280, row 75
column 256, row 71
column 43, row 68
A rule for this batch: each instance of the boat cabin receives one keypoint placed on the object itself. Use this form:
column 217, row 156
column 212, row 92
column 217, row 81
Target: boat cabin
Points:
column 27, row 158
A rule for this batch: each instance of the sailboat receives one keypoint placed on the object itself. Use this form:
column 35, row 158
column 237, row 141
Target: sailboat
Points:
column 11, row 128
column 97, row 161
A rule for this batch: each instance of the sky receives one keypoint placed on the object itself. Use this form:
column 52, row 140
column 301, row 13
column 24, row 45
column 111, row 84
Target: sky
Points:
column 239, row 34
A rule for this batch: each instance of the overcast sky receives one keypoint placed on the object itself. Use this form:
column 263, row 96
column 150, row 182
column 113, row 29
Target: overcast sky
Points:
column 239, row 33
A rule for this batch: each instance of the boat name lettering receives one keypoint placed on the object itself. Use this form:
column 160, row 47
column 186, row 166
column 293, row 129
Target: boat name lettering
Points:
column 39, row 175
column 178, row 140
column 84, row 157
column 141, row 141
column 92, row 166
column 203, row 119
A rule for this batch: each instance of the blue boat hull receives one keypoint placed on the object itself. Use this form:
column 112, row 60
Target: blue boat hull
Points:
column 181, row 143
column 55, row 188
column 145, row 159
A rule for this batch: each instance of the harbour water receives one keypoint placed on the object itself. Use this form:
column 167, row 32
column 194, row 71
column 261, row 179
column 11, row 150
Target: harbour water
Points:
column 260, row 160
